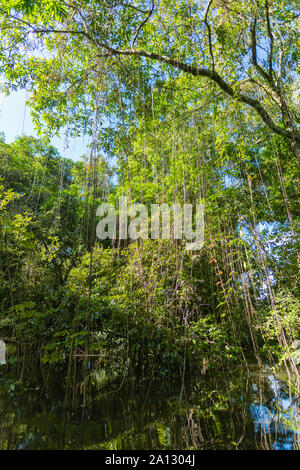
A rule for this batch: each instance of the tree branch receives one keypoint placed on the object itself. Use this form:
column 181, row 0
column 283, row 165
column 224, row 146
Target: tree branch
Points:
column 215, row 77
column 209, row 34
column 142, row 24
column 260, row 70
column 271, row 38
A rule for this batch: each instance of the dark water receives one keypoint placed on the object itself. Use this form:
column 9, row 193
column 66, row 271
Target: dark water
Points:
column 244, row 409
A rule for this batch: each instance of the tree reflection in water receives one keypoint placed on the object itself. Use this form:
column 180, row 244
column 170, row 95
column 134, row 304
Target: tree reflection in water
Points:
column 243, row 409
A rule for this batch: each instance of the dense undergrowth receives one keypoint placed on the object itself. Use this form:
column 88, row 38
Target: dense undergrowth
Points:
column 147, row 307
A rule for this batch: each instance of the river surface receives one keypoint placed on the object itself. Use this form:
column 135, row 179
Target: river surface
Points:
column 244, row 408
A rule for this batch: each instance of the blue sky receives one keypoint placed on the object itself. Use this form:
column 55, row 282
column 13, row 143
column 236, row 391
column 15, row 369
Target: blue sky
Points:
column 15, row 120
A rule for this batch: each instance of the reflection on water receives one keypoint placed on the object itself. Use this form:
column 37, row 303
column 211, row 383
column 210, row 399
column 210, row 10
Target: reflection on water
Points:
column 237, row 409
column 279, row 418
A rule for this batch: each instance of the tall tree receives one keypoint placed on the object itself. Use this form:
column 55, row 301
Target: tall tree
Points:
column 248, row 50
